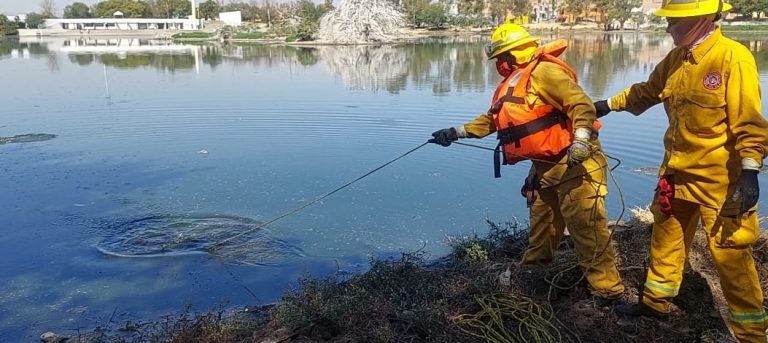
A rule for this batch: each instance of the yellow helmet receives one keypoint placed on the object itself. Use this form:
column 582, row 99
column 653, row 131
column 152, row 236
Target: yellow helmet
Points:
column 691, row 8
column 507, row 37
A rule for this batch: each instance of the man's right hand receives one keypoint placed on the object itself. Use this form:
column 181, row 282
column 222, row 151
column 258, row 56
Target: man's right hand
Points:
column 530, row 189
column 602, row 108
column 444, row 137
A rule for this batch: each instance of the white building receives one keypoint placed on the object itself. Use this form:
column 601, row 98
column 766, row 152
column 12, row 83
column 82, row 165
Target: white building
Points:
column 231, row 18
column 126, row 24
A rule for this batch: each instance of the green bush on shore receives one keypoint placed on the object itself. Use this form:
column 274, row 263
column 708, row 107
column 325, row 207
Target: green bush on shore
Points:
column 249, row 35
column 196, row 34
column 758, row 27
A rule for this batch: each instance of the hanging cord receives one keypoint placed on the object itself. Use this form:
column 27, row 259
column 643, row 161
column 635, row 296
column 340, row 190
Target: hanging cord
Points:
column 553, row 282
column 492, row 149
column 215, row 246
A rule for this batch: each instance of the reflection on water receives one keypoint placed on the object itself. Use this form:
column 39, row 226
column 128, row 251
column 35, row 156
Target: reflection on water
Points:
column 166, row 236
column 445, row 65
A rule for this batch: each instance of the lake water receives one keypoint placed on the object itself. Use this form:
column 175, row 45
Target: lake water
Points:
column 164, row 149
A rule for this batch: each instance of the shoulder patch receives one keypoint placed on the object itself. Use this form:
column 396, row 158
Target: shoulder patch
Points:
column 713, row 80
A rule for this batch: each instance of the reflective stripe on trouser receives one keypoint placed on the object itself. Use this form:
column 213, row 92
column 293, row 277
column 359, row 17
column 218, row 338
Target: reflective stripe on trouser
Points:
column 670, row 243
column 581, row 203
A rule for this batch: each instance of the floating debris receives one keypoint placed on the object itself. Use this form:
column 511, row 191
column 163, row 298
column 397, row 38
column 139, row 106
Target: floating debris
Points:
column 165, row 236
column 648, row 171
column 27, row 138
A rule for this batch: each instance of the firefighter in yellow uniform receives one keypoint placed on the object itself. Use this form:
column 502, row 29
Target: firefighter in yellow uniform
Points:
column 540, row 113
column 714, row 147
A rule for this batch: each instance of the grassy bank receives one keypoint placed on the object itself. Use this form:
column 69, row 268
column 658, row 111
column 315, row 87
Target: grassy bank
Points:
column 461, row 298
column 193, row 35
column 744, row 28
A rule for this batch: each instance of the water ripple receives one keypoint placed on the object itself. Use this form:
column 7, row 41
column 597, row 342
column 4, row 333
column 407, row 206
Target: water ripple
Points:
column 166, row 236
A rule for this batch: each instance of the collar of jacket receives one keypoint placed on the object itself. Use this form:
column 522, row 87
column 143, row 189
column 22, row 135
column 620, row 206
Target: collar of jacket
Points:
column 703, row 48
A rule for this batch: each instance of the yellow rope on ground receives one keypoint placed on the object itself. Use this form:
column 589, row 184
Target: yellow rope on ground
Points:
column 500, row 312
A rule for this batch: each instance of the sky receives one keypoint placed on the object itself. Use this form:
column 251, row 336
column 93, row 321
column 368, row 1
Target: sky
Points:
column 16, row 7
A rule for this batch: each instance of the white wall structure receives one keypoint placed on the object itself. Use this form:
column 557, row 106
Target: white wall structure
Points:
column 127, row 24
column 231, row 18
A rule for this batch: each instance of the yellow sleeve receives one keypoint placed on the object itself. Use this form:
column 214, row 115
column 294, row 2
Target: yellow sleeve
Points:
column 742, row 97
column 556, row 87
column 643, row 95
column 480, row 127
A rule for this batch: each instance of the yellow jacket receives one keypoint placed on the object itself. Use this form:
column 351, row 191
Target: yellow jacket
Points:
column 550, row 84
column 712, row 98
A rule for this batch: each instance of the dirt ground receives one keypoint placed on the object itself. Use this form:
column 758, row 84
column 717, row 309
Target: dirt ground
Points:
column 473, row 302
column 463, row 298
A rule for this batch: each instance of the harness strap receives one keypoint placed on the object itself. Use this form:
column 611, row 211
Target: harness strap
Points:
column 514, row 133
column 497, row 161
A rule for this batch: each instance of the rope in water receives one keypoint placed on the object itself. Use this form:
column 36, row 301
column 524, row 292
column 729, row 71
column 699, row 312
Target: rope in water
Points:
column 215, row 246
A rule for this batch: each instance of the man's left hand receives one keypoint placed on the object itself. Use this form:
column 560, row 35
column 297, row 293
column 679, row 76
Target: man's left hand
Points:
column 579, row 151
column 749, row 187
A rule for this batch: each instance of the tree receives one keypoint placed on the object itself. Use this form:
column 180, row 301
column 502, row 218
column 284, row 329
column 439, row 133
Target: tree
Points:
column 130, row 8
column 8, row 27
column 413, row 9
column 48, row 8
column 249, row 12
column 748, row 7
column 309, row 16
column 575, row 7
column 19, row 24
column 500, row 8
column 77, row 10
column 434, row 15
column 621, row 11
column 268, row 12
column 472, row 8
column 639, row 19
column 170, row 8
column 34, row 20
column 208, row 10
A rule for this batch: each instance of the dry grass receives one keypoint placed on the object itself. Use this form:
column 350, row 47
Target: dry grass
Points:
column 460, row 299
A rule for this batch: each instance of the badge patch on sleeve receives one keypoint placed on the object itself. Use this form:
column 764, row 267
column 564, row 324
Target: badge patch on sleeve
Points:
column 713, row 80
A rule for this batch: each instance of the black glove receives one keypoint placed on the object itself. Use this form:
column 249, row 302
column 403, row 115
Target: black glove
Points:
column 530, row 189
column 749, row 188
column 444, row 137
column 601, row 108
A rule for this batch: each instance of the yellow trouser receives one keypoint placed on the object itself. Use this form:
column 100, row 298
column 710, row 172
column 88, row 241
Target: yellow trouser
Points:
column 578, row 201
column 670, row 242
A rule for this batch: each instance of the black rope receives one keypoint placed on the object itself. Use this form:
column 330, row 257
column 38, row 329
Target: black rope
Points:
column 215, row 246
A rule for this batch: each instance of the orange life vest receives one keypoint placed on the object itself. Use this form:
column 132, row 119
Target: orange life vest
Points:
column 529, row 131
